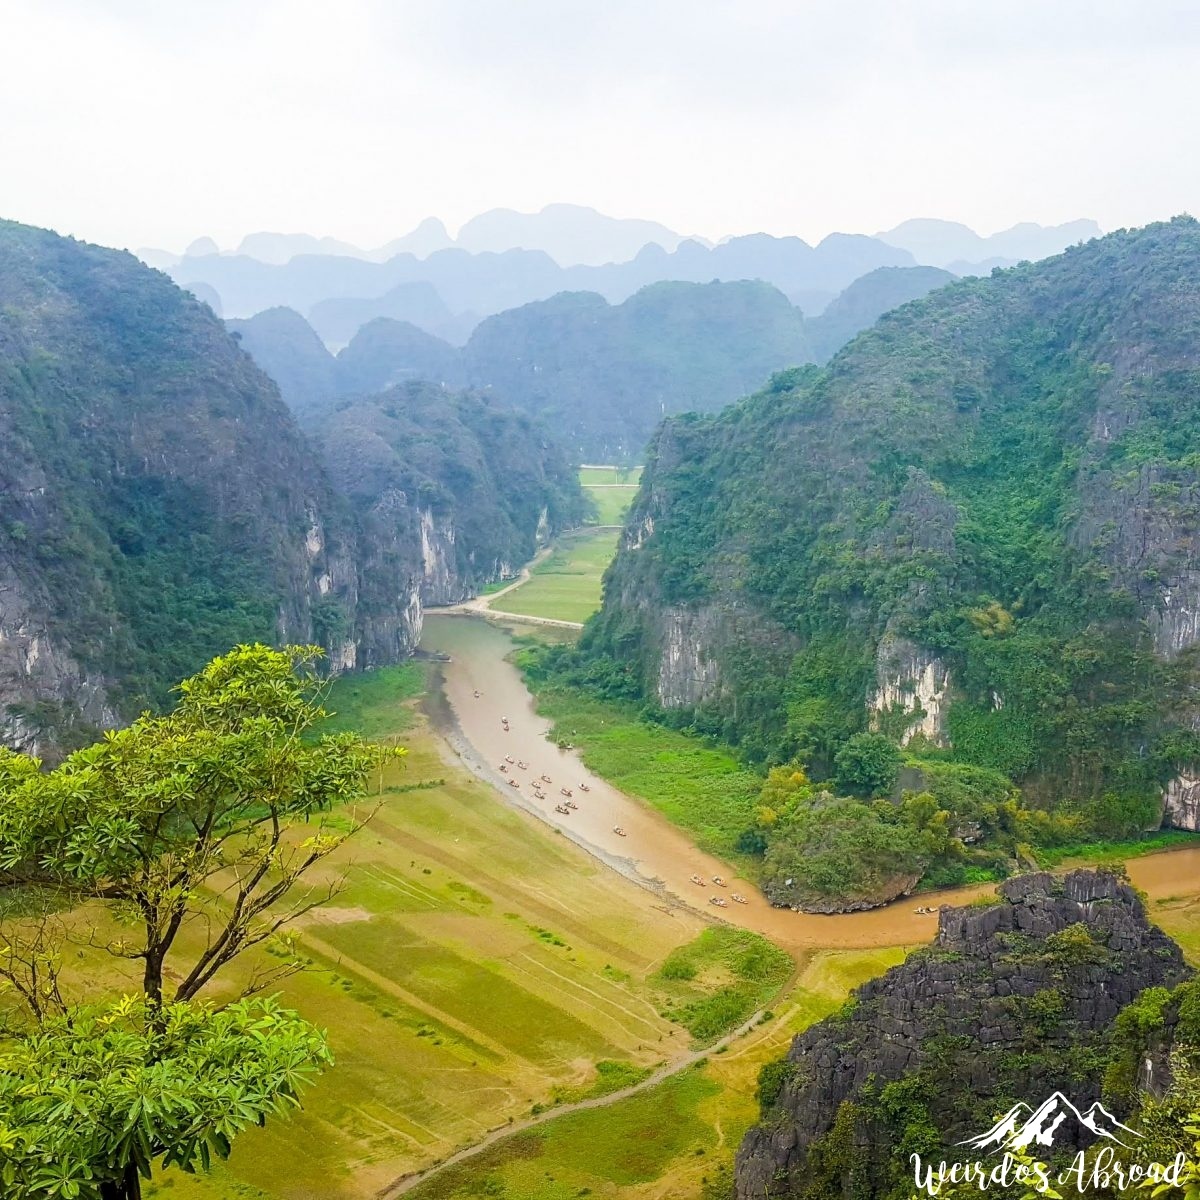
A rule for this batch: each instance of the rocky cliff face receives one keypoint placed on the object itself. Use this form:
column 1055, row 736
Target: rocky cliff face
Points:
column 913, row 684
column 448, row 492
column 1011, row 1002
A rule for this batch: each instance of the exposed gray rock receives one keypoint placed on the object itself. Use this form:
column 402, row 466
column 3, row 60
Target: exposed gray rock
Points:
column 992, row 1012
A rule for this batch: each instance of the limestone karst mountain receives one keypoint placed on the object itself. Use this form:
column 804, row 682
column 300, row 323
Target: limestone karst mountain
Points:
column 159, row 503
column 978, row 528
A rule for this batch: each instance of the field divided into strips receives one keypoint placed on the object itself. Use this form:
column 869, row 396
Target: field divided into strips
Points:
column 674, row 1140
column 474, row 966
column 565, row 586
column 612, row 489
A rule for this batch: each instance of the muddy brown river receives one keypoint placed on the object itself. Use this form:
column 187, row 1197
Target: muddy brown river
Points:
column 654, row 852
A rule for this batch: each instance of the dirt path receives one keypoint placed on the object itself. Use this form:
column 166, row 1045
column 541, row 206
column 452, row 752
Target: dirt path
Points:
column 408, row 1182
column 482, row 605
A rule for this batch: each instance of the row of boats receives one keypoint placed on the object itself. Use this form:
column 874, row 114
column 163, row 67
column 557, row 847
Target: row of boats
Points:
column 566, row 808
column 720, row 901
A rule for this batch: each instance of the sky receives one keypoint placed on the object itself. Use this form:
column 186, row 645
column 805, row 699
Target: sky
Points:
column 151, row 122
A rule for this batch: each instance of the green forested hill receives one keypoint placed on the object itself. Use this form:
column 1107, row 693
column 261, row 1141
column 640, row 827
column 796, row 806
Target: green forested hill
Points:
column 976, row 528
column 598, row 376
column 287, row 347
column 866, row 300
column 481, row 484
column 603, row 376
column 157, row 503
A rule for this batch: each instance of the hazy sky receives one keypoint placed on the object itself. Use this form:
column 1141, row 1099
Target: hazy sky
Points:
column 149, row 122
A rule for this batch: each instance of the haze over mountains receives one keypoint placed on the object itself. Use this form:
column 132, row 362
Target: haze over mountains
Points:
column 503, row 259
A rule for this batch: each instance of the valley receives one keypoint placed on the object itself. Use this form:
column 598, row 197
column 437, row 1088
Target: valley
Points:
column 496, row 955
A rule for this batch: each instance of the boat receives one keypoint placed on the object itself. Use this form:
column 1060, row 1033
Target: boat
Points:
column 508, row 758
column 522, row 766
column 719, row 881
column 513, row 783
column 544, row 778
column 697, row 880
column 618, row 831
column 719, row 901
column 564, row 791
column 571, row 804
column 583, row 787
column 739, row 899
column 503, row 769
column 562, row 808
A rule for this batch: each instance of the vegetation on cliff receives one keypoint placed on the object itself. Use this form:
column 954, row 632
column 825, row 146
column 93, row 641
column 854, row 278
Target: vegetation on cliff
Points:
column 155, row 495
column 997, row 482
column 465, row 487
column 1037, row 992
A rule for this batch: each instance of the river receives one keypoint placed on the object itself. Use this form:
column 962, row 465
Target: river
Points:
column 654, row 852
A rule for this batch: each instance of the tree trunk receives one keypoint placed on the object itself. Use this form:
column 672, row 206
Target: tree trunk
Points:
column 129, row 1187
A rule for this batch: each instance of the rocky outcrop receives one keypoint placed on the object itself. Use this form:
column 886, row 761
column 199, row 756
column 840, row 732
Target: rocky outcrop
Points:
column 1181, row 800
column 912, row 683
column 47, row 696
column 1012, row 1001
column 688, row 673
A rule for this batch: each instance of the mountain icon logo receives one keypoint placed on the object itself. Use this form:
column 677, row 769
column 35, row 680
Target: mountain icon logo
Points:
column 1022, row 1126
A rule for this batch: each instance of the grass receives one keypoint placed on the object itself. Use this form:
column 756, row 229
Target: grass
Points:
column 473, row 966
column 612, row 490
column 720, row 980
column 703, row 789
column 566, row 585
column 673, row 1140
column 612, row 504
column 630, row 476
column 374, row 703
column 1095, row 853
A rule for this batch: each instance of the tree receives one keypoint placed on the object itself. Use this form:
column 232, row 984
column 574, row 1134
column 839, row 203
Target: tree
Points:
column 867, row 765
column 174, row 845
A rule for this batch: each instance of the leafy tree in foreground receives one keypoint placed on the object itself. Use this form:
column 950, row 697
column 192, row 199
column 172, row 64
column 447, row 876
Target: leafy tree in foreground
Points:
column 175, row 845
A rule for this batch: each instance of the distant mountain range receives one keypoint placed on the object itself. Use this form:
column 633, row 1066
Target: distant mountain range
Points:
column 952, row 245
column 504, row 259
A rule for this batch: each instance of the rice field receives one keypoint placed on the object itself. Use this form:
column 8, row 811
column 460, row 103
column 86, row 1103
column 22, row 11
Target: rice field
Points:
column 612, row 490
column 474, row 967
column 565, row 586
column 676, row 1140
